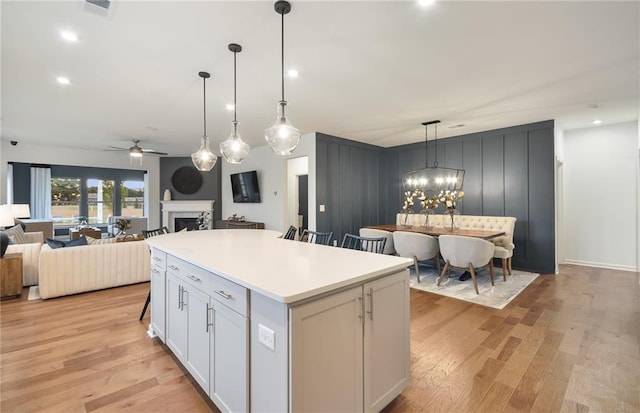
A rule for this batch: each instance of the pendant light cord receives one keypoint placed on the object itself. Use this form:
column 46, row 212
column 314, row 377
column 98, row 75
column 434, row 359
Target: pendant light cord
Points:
column 204, row 99
column 234, row 88
column 435, row 143
column 282, row 54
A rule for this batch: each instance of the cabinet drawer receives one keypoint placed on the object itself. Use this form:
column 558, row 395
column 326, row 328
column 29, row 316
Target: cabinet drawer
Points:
column 159, row 259
column 229, row 293
column 189, row 273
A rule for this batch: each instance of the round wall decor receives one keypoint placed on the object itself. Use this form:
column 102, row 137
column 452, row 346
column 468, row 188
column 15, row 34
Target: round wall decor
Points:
column 186, row 180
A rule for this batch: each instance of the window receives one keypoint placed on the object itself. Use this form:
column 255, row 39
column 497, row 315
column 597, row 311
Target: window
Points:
column 132, row 198
column 100, row 199
column 65, row 200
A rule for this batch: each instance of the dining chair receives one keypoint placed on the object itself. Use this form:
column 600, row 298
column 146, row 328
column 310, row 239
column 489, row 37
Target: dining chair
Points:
column 291, row 233
column 355, row 242
column 377, row 233
column 504, row 246
column 466, row 253
column 420, row 247
column 242, row 225
column 314, row 237
column 148, row 234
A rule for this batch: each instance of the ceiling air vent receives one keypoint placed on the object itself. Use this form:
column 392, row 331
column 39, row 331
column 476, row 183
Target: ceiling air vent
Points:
column 459, row 125
column 100, row 3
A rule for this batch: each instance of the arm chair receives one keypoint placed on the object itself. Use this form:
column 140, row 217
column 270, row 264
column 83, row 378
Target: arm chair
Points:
column 377, row 233
column 418, row 246
column 314, row 237
column 291, row 233
column 466, row 253
column 355, row 242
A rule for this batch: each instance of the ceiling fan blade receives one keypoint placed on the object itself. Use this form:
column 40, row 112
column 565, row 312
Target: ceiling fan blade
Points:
column 116, row 148
column 154, row 152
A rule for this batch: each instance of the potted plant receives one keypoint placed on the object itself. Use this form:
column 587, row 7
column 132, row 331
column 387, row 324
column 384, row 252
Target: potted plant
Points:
column 122, row 224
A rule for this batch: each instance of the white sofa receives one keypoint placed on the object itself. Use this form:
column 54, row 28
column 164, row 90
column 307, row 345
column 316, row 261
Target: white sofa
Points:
column 73, row 270
column 30, row 256
column 504, row 245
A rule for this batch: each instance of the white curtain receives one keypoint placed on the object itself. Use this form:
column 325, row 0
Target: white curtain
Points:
column 40, row 193
column 9, row 183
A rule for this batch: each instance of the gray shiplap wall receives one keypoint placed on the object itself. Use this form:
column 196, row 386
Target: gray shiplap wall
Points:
column 509, row 171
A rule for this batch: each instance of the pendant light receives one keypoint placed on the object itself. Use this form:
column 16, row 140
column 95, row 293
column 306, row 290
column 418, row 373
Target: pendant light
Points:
column 282, row 137
column 234, row 149
column 433, row 178
column 204, row 160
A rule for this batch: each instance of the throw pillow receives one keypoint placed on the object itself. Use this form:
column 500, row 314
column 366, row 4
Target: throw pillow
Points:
column 54, row 243
column 16, row 234
column 93, row 241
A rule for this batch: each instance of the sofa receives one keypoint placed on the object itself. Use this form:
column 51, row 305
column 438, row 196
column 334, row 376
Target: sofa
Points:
column 30, row 256
column 504, row 245
column 72, row 270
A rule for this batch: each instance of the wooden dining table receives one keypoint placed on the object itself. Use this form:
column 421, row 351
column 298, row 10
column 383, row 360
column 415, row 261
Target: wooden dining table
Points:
column 437, row 231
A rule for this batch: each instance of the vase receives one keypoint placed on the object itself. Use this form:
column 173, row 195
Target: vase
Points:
column 426, row 219
column 406, row 216
column 451, row 213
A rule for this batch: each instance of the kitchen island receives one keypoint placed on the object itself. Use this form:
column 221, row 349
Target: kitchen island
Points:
column 267, row 324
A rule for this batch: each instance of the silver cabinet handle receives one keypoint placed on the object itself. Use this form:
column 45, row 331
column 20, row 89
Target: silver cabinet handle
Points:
column 179, row 297
column 223, row 294
column 155, row 271
column 370, row 295
column 193, row 277
column 173, row 267
column 209, row 323
column 157, row 259
column 360, row 305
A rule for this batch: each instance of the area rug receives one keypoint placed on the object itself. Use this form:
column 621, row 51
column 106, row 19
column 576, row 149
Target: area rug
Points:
column 497, row 296
column 34, row 293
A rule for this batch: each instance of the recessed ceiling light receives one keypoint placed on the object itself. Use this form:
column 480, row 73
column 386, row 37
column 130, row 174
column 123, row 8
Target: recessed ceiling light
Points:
column 63, row 80
column 426, row 3
column 229, row 106
column 69, row 36
column 293, row 73
column 597, row 122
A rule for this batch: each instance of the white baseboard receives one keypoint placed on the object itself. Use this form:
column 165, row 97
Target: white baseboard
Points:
column 602, row 265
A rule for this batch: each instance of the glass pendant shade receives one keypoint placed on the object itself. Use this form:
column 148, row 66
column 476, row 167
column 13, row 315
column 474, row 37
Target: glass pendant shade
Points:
column 282, row 137
column 203, row 159
column 234, row 149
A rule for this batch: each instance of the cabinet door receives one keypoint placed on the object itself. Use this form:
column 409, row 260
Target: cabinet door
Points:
column 198, row 336
column 386, row 340
column 176, row 333
column 157, row 301
column 229, row 355
column 326, row 354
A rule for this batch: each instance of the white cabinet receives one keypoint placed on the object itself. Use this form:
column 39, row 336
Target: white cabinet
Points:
column 229, row 382
column 198, row 336
column 158, row 291
column 176, row 317
column 350, row 350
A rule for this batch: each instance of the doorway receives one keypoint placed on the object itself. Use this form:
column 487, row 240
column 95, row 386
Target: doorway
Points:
column 303, row 203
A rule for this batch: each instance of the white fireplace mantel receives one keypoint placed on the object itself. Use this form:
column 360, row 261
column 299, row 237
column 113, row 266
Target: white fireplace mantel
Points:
column 185, row 209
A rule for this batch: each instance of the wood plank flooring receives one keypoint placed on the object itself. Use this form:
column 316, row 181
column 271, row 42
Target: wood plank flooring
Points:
column 568, row 343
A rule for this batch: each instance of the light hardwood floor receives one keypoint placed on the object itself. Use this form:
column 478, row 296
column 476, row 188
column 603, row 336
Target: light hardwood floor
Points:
column 569, row 342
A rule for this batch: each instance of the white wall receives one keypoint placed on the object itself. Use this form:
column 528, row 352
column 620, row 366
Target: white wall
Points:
column 54, row 155
column 600, row 194
column 272, row 179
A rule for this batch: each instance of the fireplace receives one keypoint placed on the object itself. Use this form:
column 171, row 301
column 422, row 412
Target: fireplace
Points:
column 190, row 224
column 173, row 210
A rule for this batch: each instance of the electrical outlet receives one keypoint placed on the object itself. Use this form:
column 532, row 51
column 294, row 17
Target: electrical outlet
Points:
column 267, row 337
column 322, row 208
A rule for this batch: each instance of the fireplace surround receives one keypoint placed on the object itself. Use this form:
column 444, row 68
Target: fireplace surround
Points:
column 185, row 209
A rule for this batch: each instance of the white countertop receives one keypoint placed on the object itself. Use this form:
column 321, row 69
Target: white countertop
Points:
column 283, row 270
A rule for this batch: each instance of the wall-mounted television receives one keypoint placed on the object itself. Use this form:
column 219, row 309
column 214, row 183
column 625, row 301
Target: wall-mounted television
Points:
column 244, row 186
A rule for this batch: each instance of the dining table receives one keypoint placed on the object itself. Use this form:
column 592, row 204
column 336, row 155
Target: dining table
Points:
column 437, row 231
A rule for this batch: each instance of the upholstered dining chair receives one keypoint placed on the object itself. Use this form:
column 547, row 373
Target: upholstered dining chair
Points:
column 420, row 247
column 377, row 233
column 242, row 225
column 466, row 253
column 504, row 246
column 314, row 237
column 291, row 233
column 148, row 234
column 355, row 242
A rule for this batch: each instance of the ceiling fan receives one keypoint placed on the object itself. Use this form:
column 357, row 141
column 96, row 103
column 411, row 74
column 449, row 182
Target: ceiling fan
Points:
column 136, row 151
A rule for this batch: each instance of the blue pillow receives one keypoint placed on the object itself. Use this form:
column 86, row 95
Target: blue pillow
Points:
column 54, row 243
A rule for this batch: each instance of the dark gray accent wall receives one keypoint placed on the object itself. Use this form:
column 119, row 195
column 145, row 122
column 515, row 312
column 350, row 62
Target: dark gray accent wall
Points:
column 508, row 171
column 348, row 183
column 211, row 183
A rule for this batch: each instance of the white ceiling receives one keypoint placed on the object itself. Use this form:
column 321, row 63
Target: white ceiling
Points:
column 370, row 71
